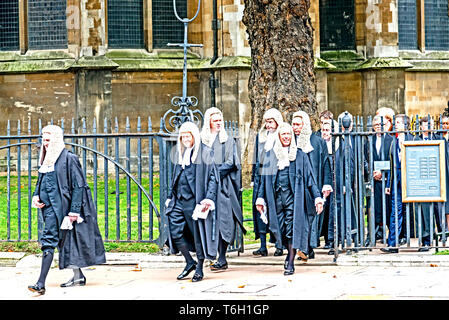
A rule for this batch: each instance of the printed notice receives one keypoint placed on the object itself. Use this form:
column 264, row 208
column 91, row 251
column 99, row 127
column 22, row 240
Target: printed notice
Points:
column 423, row 171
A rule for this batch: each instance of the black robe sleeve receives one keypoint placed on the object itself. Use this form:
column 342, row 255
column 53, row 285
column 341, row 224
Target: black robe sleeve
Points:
column 310, row 179
column 327, row 172
column 77, row 185
column 38, row 184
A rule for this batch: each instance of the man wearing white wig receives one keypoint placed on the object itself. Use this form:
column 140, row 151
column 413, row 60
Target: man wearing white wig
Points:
column 285, row 181
column 227, row 160
column 70, row 217
column 192, row 218
column 265, row 139
column 316, row 149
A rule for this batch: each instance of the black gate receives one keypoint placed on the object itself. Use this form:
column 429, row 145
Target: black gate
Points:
column 354, row 198
column 129, row 174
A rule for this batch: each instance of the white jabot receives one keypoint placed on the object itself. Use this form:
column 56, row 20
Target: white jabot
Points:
column 186, row 157
column 378, row 144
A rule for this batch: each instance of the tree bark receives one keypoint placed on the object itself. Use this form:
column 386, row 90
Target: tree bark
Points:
column 282, row 72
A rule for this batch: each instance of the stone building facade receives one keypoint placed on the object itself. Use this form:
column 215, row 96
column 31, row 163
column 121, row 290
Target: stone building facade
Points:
column 109, row 58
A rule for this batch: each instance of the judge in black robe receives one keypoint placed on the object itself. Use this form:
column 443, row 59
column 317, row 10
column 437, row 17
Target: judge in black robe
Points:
column 70, row 218
column 339, row 206
column 381, row 144
column 194, row 183
column 264, row 142
column 401, row 123
column 445, row 136
column 227, row 160
column 316, row 150
column 286, row 178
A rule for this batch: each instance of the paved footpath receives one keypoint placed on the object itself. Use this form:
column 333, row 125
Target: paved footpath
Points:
column 367, row 275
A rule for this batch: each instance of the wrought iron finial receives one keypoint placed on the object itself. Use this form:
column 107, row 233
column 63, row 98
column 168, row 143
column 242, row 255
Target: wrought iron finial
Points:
column 183, row 113
column 346, row 121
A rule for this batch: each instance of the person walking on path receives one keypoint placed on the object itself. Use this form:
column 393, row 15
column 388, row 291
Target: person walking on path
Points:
column 227, row 160
column 192, row 218
column 69, row 214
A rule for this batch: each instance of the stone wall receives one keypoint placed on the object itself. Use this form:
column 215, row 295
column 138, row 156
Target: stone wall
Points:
column 426, row 92
column 88, row 80
column 34, row 96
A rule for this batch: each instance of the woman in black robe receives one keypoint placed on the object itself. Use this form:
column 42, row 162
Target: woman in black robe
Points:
column 64, row 197
column 191, row 214
column 285, row 180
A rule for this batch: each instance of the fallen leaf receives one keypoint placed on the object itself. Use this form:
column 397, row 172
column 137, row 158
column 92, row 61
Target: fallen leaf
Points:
column 242, row 286
column 137, row 268
column 334, row 276
column 433, row 265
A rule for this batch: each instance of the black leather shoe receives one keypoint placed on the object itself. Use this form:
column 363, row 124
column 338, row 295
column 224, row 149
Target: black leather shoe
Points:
column 37, row 288
column 311, row 254
column 197, row 277
column 278, row 252
column 289, row 272
column 424, row 249
column 389, row 250
column 218, row 266
column 186, row 271
column 260, row 252
column 73, row 283
column 327, row 246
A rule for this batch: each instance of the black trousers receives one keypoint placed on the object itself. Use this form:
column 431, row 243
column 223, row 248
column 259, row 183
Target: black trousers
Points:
column 284, row 213
column 183, row 226
column 50, row 235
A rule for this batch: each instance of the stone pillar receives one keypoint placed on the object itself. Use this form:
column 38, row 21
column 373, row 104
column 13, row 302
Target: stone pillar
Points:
column 381, row 28
column 93, row 27
column 314, row 13
column 92, row 70
column 93, row 95
column 383, row 76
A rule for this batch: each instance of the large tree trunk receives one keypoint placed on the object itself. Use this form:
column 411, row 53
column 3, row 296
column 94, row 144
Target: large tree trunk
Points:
column 282, row 71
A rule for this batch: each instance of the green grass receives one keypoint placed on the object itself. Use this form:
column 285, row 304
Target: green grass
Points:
column 111, row 243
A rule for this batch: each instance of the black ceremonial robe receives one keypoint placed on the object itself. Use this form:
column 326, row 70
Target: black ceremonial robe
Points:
column 83, row 245
column 445, row 205
column 342, row 211
column 203, row 179
column 382, row 155
column 304, row 189
column 229, row 211
column 320, row 163
column 258, row 162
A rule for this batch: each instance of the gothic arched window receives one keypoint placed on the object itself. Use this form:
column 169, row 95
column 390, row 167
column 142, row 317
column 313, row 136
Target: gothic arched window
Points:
column 436, row 24
column 166, row 28
column 125, row 24
column 47, row 27
column 9, row 25
column 407, row 23
column 337, row 26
